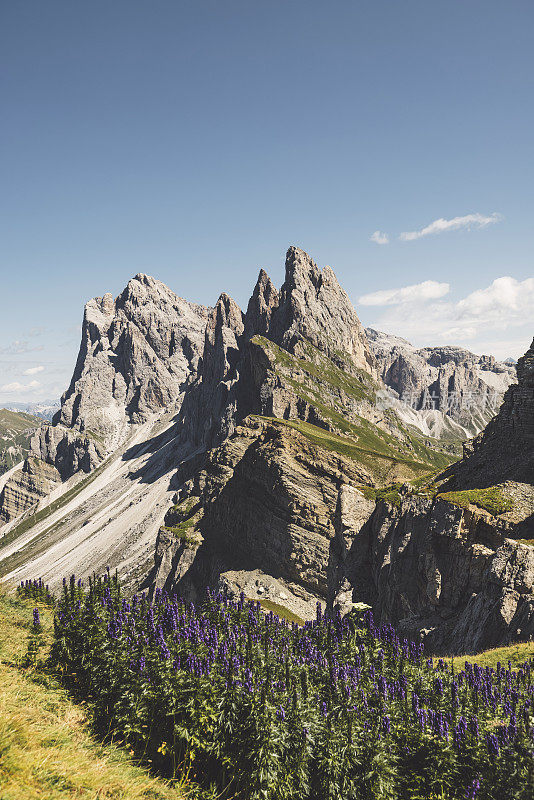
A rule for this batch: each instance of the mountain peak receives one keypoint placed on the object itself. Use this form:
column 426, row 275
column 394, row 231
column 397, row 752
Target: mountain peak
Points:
column 525, row 368
column 263, row 302
column 301, row 270
column 226, row 314
column 314, row 308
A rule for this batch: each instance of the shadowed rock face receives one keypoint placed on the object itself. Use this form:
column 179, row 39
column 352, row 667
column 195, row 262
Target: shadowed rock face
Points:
column 266, row 501
column 505, row 450
column 444, row 574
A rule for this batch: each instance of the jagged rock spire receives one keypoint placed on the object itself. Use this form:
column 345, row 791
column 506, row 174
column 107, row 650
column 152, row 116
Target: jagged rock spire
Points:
column 264, row 301
column 135, row 354
column 314, row 308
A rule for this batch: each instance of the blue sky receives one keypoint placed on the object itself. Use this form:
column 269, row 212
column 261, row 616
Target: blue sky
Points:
column 197, row 140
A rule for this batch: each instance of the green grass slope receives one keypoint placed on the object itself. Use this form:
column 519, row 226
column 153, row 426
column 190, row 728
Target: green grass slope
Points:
column 46, row 747
column 344, row 401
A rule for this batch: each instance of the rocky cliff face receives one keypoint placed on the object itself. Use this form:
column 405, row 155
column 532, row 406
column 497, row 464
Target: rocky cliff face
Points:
column 444, row 574
column 263, row 508
column 505, row 450
column 312, row 307
column 274, row 514
column 33, row 482
column 136, row 356
column 446, row 391
column 247, row 449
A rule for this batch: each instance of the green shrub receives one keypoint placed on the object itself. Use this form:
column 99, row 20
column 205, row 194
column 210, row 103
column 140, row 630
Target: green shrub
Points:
column 491, row 499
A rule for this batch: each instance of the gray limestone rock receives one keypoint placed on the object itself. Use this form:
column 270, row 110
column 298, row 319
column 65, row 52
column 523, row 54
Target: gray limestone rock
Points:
column 451, row 390
column 505, row 450
column 313, row 307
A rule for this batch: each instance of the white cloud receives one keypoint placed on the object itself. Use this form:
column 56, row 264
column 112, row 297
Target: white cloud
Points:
column 379, row 237
column 9, row 388
column 495, row 319
column 456, row 223
column 427, row 290
column 458, row 333
column 33, row 370
column 506, row 298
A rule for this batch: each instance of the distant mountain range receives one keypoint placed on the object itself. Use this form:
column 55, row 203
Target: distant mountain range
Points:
column 16, row 430
column 45, row 409
column 453, row 392
column 288, row 453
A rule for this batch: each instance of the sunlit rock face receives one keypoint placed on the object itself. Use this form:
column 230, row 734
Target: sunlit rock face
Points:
column 444, row 391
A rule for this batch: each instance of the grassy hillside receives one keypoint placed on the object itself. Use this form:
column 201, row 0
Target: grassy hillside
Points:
column 516, row 654
column 16, row 429
column 344, row 402
column 264, row 709
column 378, row 461
column 46, row 748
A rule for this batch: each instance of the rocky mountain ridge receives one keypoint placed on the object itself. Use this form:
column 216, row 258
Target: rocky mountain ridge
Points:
column 505, row 449
column 250, row 449
column 44, row 409
column 446, row 391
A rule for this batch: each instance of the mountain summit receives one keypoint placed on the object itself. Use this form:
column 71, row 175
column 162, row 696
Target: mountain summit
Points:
column 252, row 451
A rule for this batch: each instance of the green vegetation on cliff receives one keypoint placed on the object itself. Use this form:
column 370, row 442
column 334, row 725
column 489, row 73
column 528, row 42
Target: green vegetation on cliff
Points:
column 491, row 499
column 343, row 401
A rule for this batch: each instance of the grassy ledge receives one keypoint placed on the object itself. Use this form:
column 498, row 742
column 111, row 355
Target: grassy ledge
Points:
column 516, row 654
column 491, row 499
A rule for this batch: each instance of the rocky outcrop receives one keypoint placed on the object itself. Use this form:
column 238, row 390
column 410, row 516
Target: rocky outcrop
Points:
column 264, row 300
column 209, row 413
column 445, row 574
column 34, row 481
column 67, row 450
column 505, row 450
column 136, row 356
column 447, row 391
column 266, row 501
column 313, row 307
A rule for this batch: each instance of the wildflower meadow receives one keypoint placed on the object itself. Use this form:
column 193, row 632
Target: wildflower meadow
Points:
column 255, row 708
